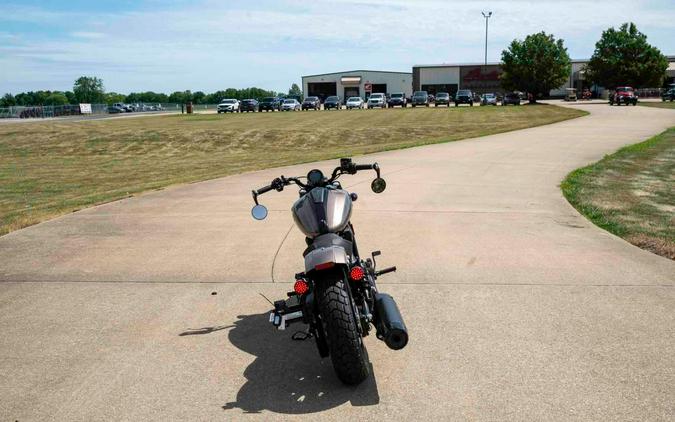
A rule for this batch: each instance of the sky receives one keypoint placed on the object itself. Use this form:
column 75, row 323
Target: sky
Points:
column 208, row 45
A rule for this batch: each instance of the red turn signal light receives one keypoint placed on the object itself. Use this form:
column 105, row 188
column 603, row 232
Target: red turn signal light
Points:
column 301, row 287
column 357, row 273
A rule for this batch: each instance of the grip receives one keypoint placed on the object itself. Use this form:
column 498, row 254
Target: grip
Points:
column 264, row 189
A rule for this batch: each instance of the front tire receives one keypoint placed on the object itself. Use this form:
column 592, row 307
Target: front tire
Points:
column 347, row 351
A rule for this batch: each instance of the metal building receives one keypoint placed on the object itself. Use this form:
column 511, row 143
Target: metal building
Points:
column 481, row 78
column 356, row 83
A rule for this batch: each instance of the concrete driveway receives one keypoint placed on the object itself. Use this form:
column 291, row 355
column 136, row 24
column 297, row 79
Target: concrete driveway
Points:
column 518, row 308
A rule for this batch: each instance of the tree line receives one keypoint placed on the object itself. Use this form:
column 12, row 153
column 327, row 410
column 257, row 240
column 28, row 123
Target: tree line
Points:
column 535, row 65
column 89, row 89
column 540, row 63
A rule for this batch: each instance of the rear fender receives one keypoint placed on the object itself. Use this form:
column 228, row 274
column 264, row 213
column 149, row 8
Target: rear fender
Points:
column 321, row 258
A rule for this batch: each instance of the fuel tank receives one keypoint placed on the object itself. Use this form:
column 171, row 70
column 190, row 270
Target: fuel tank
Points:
column 322, row 210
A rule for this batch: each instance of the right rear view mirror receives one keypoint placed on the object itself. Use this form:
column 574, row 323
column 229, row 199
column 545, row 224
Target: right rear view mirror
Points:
column 378, row 185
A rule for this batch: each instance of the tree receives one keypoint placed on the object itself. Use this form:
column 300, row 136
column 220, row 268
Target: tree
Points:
column 72, row 99
column 113, row 97
column 198, row 97
column 56, row 98
column 624, row 57
column 536, row 65
column 180, row 97
column 7, row 100
column 295, row 91
column 88, row 89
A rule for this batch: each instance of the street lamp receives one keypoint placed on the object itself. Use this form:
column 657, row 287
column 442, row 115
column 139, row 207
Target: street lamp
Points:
column 486, row 15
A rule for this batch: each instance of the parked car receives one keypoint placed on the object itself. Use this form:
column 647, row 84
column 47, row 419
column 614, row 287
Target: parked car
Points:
column 464, row 96
column 623, row 94
column 269, row 104
column 377, row 100
column 291, row 104
column 420, row 98
column 668, row 95
column 115, row 109
column 332, row 102
column 248, row 105
column 311, row 103
column 228, row 105
column 443, row 98
column 397, row 99
column 511, row 98
column 355, row 102
column 488, row 99
column 124, row 107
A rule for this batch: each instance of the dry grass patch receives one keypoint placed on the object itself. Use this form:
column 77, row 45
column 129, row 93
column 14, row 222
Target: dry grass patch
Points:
column 631, row 193
column 55, row 167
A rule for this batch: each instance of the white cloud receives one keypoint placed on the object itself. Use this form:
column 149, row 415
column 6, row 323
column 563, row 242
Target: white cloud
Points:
column 209, row 45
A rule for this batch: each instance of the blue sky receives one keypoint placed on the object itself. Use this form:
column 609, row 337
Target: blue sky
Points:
column 208, row 45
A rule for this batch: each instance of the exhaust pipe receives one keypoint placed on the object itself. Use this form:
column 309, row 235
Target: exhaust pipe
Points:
column 390, row 326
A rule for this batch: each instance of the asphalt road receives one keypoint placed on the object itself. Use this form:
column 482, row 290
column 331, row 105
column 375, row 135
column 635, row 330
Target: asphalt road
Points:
column 518, row 308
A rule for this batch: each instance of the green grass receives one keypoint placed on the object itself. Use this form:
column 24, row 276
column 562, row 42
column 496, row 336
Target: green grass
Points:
column 662, row 104
column 631, row 193
column 55, row 167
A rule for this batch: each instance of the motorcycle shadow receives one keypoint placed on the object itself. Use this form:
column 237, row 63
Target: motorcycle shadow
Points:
column 288, row 376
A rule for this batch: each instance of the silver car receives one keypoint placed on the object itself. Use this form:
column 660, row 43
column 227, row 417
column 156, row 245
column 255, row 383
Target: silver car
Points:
column 355, row 102
column 488, row 99
column 377, row 100
column 291, row 104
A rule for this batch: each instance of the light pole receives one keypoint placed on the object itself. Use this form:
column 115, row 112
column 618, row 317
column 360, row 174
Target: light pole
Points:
column 486, row 15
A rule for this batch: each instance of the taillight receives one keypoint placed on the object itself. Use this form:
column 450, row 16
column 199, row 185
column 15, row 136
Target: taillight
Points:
column 324, row 266
column 357, row 273
column 301, row 287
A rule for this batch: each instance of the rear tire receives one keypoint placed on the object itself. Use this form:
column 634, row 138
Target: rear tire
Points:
column 347, row 351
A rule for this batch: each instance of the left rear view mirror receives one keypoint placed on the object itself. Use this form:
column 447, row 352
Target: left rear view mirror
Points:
column 259, row 212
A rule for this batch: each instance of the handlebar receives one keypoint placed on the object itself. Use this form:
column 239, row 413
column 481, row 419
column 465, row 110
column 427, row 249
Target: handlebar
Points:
column 346, row 167
column 264, row 189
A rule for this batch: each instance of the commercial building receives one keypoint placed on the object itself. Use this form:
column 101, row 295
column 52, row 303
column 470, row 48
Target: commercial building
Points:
column 356, row 83
column 481, row 78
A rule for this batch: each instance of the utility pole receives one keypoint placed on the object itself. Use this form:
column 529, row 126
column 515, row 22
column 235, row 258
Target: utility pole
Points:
column 486, row 15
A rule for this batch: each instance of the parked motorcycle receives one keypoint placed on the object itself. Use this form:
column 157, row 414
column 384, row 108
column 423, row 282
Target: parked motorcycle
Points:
column 336, row 295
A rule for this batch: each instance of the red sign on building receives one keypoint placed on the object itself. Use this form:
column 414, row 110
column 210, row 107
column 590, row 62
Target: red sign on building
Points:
column 368, row 87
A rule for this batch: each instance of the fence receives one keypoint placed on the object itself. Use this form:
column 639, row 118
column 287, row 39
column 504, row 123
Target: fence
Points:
column 43, row 112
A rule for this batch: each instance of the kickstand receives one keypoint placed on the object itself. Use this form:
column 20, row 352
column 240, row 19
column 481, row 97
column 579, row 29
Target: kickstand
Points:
column 301, row 335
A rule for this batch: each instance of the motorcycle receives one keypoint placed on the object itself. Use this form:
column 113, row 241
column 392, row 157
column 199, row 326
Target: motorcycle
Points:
column 336, row 295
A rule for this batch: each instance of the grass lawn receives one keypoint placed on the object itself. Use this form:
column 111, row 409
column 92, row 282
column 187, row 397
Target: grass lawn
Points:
column 661, row 104
column 54, row 167
column 631, row 193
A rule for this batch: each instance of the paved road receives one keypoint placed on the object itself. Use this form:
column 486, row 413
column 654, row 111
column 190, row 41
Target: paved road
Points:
column 518, row 308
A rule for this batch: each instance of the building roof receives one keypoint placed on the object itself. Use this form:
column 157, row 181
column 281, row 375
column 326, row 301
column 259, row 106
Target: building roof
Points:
column 481, row 63
column 354, row 71
column 670, row 59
